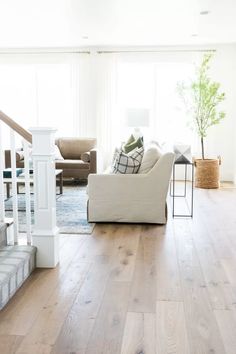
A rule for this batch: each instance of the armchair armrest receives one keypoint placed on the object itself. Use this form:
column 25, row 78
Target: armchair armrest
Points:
column 93, row 160
column 19, row 157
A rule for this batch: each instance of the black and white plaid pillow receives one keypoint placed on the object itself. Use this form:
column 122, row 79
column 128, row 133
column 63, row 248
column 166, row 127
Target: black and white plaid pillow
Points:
column 128, row 163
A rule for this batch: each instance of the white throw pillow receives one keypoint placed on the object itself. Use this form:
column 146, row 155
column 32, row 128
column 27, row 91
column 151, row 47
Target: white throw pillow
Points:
column 150, row 158
column 128, row 163
column 58, row 155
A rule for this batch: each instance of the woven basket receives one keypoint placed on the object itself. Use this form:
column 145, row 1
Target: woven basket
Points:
column 207, row 173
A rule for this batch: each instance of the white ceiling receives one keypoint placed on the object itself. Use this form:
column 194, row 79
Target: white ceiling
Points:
column 60, row 23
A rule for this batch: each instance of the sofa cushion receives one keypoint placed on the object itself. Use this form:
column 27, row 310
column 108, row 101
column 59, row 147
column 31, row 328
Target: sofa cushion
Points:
column 150, row 158
column 128, row 163
column 72, row 148
column 72, row 164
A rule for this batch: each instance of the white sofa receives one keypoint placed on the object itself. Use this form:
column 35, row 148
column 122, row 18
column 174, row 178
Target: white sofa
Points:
column 131, row 198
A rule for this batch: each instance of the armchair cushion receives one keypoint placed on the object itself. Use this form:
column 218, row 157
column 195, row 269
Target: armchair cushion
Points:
column 72, row 164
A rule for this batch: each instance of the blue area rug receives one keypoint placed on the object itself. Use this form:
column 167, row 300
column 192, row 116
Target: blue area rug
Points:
column 71, row 210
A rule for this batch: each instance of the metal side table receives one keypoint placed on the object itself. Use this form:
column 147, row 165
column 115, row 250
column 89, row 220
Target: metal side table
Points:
column 184, row 195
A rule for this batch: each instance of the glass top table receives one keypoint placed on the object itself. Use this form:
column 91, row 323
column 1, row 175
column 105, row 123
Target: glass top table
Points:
column 21, row 180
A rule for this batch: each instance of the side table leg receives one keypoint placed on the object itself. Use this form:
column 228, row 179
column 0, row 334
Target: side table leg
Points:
column 8, row 190
column 192, row 190
column 173, row 190
column 61, row 183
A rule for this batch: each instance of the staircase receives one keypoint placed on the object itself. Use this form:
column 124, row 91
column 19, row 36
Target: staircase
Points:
column 16, row 264
column 17, row 261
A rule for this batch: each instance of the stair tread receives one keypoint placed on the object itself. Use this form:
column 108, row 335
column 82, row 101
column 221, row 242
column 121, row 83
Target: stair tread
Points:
column 16, row 264
column 21, row 248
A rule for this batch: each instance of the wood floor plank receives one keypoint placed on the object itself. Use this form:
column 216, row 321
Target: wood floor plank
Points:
column 139, row 333
column 100, row 244
column 9, row 344
column 108, row 329
column 126, row 244
column 168, row 278
column 79, row 323
column 202, row 328
column 230, row 269
column 47, row 326
column 226, row 320
column 171, row 335
column 143, row 287
column 28, row 303
column 218, row 286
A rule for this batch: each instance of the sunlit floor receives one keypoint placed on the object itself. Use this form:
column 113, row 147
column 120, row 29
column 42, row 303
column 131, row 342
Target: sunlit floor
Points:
column 135, row 289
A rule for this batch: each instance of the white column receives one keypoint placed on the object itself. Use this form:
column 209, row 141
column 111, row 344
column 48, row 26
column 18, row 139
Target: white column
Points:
column 27, row 192
column 45, row 231
column 2, row 206
column 14, row 186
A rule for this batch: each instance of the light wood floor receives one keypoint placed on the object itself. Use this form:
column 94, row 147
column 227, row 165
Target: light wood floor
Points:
column 135, row 289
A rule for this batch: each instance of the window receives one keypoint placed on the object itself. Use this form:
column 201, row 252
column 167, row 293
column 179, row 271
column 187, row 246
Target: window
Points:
column 39, row 90
column 153, row 86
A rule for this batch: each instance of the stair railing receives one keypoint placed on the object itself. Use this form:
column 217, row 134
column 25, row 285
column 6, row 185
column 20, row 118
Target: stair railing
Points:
column 44, row 234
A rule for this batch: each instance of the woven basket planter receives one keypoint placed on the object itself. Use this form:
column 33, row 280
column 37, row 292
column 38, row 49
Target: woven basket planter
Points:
column 207, row 173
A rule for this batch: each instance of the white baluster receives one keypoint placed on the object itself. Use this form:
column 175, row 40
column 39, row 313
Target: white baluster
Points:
column 14, row 185
column 27, row 191
column 2, row 206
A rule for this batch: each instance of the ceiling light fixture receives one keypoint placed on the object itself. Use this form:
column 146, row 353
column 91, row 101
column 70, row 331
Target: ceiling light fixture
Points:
column 204, row 12
column 84, row 37
column 194, row 35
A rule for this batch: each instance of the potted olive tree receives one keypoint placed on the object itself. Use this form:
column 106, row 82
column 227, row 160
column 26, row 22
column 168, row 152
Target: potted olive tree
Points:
column 201, row 98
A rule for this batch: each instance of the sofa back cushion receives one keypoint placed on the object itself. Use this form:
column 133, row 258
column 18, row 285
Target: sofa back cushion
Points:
column 151, row 155
column 72, row 148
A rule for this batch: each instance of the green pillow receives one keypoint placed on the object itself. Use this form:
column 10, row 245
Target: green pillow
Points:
column 132, row 144
column 130, row 140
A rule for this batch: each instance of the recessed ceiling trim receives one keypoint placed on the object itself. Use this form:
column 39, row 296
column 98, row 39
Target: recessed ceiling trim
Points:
column 157, row 51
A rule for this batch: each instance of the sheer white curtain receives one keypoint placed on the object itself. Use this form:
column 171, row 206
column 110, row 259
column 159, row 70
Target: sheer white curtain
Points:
column 118, row 82
column 43, row 90
column 107, row 115
column 89, row 94
column 151, row 83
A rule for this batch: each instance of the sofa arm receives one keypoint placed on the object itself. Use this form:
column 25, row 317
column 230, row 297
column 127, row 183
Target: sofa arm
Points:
column 19, row 157
column 93, row 160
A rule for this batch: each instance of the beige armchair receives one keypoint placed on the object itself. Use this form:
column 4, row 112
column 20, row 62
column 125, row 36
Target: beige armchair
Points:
column 80, row 156
column 132, row 198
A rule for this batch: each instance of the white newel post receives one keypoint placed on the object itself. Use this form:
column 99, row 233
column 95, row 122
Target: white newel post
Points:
column 45, row 231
